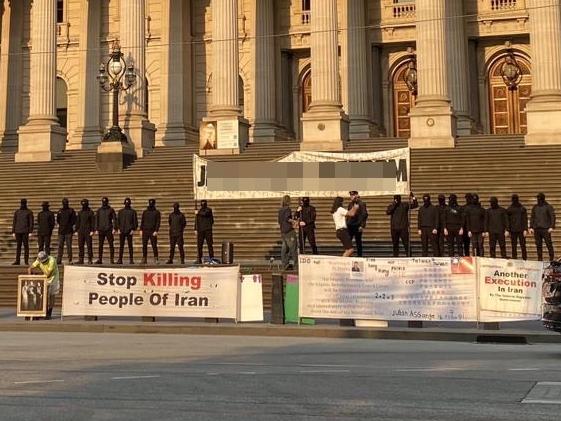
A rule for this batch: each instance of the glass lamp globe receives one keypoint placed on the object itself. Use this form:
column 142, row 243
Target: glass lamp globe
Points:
column 116, row 67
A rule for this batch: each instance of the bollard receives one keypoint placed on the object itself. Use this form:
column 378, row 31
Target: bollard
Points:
column 277, row 300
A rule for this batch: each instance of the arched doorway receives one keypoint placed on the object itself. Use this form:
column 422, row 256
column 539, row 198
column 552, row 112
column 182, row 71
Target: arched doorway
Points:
column 507, row 106
column 403, row 101
column 306, row 91
column 62, row 102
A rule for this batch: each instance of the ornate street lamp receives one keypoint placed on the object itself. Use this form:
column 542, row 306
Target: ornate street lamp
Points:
column 410, row 75
column 510, row 69
column 110, row 77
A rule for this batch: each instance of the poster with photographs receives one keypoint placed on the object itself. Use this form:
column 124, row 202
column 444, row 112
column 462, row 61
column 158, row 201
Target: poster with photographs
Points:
column 32, row 296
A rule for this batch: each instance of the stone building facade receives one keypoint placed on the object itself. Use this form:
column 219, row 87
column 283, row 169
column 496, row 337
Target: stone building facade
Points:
column 316, row 71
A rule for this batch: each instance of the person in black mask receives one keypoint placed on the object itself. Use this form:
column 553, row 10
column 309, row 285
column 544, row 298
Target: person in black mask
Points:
column 453, row 228
column 85, row 227
column 466, row 238
column 442, row 207
column 428, row 225
column 474, row 221
column 204, row 222
column 496, row 227
column 22, row 228
column 45, row 226
column 306, row 215
column 105, row 226
column 66, row 219
column 357, row 223
column 177, row 224
column 542, row 224
column 518, row 225
column 399, row 222
column 126, row 224
column 149, row 227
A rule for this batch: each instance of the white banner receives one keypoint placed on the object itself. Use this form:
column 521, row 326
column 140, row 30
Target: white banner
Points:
column 425, row 289
column 314, row 174
column 151, row 292
column 509, row 289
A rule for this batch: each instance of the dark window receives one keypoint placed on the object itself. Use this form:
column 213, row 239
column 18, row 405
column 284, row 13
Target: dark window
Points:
column 62, row 115
column 306, row 5
column 60, row 11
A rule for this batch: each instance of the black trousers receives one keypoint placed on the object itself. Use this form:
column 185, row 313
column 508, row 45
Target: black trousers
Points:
column 427, row 237
column 495, row 238
column 440, row 243
column 354, row 232
column 110, row 240
column 44, row 243
column 516, row 237
column 467, row 243
column 176, row 240
column 310, row 234
column 203, row 236
column 402, row 235
column 62, row 240
column 477, row 243
column 22, row 240
column 83, row 240
column 128, row 238
column 149, row 236
column 455, row 243
column 541, row 235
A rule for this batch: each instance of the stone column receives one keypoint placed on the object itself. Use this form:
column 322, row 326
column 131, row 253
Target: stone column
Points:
column 544, row 108
column 265, row 125
column 458, row 67
column 133, row 43
column 42, row 138
column 433, row 124
column 88, row 131
column 325, row 126
column 10, row 74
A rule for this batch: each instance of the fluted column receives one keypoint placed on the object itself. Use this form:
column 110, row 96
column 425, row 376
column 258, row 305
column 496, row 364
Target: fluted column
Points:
column 325, row 126
column 432, row 120
column 544, row 109
column 88, row 131
column 133, row 43
column 42, row 137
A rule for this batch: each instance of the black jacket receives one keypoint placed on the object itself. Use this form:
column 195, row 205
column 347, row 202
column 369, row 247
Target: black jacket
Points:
column 177, row 223
column 453, row 218
column 85, row 221
column 126, row 221
column 105, row 219
column 45, row 222
column 285, row 215
column 543, row 216
column 399, row 214
column 205, row 219
column 359, row 219
column 66, row 219
column 23, row 222
column 496, row 220
column 307, row 215
column 442, row 216
column 474, row 218
column 428, row 217
column 151, row 219
column 517, row 218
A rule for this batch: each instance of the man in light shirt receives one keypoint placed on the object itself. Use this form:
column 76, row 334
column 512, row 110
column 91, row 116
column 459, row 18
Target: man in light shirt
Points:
column 48, row 267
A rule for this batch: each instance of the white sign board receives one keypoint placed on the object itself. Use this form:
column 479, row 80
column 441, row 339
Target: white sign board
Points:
column 228, row 134
column 251, row 307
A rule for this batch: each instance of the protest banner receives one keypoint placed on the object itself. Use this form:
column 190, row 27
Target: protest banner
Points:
column 151, row 292
column 251, row 298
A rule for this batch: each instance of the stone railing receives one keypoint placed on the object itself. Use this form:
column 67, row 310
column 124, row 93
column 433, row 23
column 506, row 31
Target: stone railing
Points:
column 402, row 11
column 305, row 17
column 497, row 6
column 63, row 33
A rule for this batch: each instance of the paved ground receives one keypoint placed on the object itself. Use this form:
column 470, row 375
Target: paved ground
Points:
column 73, row 376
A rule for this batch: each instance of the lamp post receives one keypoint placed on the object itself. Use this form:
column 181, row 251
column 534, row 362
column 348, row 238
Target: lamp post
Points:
column 110, row 77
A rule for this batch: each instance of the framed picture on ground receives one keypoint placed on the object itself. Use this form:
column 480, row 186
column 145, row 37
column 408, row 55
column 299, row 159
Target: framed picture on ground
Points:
column 32, row 296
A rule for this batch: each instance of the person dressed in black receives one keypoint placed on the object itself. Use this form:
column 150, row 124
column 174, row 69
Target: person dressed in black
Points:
column 465, row 236
column 66, row 219
column 542, row 224
column 177, row 224
column 306, row 215
column 496, row 227
column 45, row 226
column 399, row 222
column 126, row 224
column 22, row 228
column 85, row 227
column 474, row 221
column 428, row 225
column 105, row 226
column 357, row 223
column 149, row 227
column 203, row 223
column 440, row 237
column 289, row 240
column 518, row 225
column 453, row 227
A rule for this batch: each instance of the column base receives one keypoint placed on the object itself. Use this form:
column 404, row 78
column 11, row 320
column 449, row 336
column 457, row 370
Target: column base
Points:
column 85, row 138
column 432, row 127
column 465, row 126
column 9, row 141
column 223, row 135
column 141, row 134
column 544, row 123
column 361, row 128
column 113, row 157
column 174, row 135
column 265, row 132
column 40, row 142
column 324, row 131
